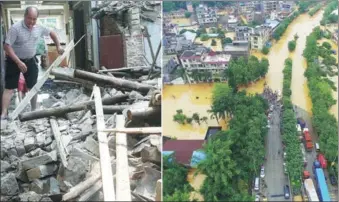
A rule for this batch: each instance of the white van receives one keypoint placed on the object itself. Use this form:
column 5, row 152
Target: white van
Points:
column 256, row 184
column 317, row 148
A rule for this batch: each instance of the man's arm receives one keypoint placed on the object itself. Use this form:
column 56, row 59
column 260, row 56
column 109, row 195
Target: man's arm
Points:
column 10, row 40
column 10, row 52
column 55, row 39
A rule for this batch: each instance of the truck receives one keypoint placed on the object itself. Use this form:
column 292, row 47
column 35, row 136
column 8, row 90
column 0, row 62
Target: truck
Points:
column 322, row 188
column 322, row 160
column 310, row 190
column 308, row 140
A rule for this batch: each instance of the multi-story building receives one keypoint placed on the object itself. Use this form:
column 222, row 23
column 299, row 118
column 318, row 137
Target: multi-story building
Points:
column 169, row 69
column 259, row 17
column 174, row 14
column 242, row 33
column 176, row 44
column 232, row 22
column 244, row 6
column 238, row 49
column 249, row 15
column 169, row 28
column 206, row 15
column 259, row 37
column 286, row 6
column 204, row 59
column 269, row 6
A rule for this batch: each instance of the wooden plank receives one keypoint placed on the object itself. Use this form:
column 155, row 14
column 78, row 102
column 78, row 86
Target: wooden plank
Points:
column 91, row 191
column 106, row 168
column 41, row 82
column 145, row 130
column 122, row 173
column 60, row 146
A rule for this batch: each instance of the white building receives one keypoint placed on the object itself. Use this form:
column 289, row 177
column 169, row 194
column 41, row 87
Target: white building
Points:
column 206, row 15
column 259, row 36
column 204, row 60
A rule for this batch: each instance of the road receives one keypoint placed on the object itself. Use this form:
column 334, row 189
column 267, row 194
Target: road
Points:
column 275, row 177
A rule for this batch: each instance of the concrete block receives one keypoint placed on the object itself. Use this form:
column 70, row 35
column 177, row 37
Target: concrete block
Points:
column 53, row 186
column 30, row 196
column 39, row 160
column 9, row 185
column 30, row 143
column 66, row 139
column 151, row 154
column 39, row 186
column 41, row 171
column 21, row 173
column 12, row 151
column 75, row 171
column 5, row 166
column 20, row 148
column 54, row 145
column 40, row 139
column 92, row 146
column 48, row 140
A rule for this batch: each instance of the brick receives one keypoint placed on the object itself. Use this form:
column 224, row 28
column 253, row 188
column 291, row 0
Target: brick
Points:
column 29, row 143
column 41, row 171
column 9, row 185
column 39, row 160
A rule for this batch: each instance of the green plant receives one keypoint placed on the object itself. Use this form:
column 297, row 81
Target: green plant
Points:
column 265, row 50
column 291, row 45
column 187, row 14
column 214, row 43
column 204, row 37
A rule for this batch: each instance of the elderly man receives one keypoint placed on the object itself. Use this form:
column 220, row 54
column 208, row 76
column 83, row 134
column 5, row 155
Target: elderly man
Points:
column 20, row 47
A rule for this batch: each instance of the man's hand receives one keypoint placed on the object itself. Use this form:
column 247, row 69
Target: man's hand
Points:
column 22, row 66
column 60, row 50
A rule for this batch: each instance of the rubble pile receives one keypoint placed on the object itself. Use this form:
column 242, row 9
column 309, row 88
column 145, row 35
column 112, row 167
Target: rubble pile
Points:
column 53, row 152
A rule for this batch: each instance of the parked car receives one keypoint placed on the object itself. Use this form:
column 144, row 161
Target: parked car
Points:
column 286, row 192
column 285, row 169
column 262, row 172
column 333, row 180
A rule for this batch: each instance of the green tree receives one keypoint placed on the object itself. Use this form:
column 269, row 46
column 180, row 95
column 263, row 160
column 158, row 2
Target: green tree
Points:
column 327, row 45
column 188, row 14
column 183, row 31
column 291, row 45
column 189, row 120
column 227, row 40
column 196, row 117
column 265, row 50
column 178, row 195
column 204, row 37
column 204, row 119
column 168, row 6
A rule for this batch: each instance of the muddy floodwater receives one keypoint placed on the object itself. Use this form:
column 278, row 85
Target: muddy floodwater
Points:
column 195, row 98
column 196, row 182
column 302, row 26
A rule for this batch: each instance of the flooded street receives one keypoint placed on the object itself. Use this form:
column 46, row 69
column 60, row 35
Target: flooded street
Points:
column 191, row 99
column 303, row 26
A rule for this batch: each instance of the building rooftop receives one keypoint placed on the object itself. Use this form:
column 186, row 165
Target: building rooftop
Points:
column 214, row 58
column 234, row 47
column 271, row 23
column 183, row 150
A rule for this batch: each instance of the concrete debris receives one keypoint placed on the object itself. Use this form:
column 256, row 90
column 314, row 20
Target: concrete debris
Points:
column 31, row 166
column 9, row 185
column 31, row 196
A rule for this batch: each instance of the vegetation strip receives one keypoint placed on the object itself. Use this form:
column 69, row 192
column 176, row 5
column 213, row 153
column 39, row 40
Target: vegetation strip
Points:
column 294, row 159
column 324, row 123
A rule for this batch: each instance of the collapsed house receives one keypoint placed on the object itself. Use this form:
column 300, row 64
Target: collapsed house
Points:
column 96, row 136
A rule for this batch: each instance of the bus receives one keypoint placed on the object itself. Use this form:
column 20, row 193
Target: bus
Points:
column 321, row 182
column 310, row 190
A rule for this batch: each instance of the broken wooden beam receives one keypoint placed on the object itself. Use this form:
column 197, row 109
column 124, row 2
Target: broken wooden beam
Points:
column 57, row 136
column 105, row 162
column 122, row 174
column 155, row 99
column 69, row 76
column 61, row 111
column 41, row 82
column 139, row 114
column 81, row 187
column 125, row 68
column 112, row 109
column 104, row 68
column 145, row 130
column 91, row 191
column 114, row 82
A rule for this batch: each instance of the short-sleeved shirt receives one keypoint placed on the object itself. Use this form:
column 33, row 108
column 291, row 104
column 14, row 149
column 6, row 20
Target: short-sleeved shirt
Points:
column 23, row 41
